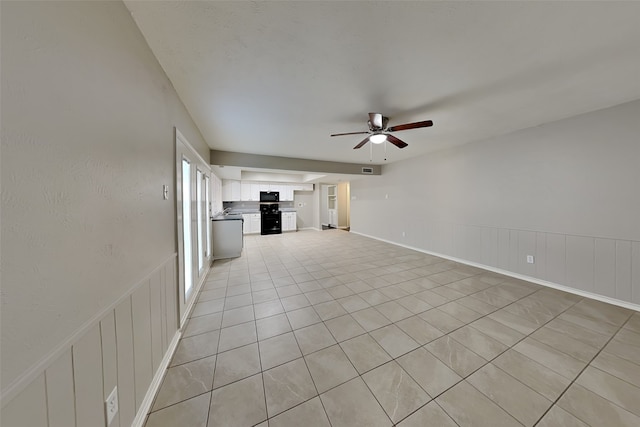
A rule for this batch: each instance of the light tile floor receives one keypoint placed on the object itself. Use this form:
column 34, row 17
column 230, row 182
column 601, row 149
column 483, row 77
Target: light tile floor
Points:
column 335, row 329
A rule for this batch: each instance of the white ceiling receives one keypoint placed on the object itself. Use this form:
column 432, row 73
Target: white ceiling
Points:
column 277, row 78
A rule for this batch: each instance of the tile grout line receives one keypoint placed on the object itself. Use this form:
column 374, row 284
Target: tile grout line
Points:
column 323, row 321
column 554, row 403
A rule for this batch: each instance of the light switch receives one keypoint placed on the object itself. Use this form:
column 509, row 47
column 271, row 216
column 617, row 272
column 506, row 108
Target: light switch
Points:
column 165, row 192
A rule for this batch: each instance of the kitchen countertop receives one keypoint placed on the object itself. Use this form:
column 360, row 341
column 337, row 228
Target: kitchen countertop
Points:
column 228, row 217
column 249, row 212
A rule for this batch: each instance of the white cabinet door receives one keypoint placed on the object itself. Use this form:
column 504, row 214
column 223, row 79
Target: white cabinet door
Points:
column 245, row 191
column 292, row 221
column 251, row 223
column 230, row 190
column 288, row 221
column 287, row 192
column 255, row 223
column 246, row 224
column 255, row 192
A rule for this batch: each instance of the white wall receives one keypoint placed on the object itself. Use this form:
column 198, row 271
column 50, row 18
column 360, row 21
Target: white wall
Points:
column 306, row 215
column 88, row 120
column 566, row 192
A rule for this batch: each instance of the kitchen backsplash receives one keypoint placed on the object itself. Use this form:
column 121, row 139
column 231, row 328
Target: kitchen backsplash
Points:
column 253, row 206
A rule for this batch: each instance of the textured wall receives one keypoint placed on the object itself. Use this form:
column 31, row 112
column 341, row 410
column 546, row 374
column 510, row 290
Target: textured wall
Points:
column 88, row 121
column 565, row 192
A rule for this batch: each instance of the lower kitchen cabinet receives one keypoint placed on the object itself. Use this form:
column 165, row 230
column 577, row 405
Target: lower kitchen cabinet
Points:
column 251, row 224
column 289, row 221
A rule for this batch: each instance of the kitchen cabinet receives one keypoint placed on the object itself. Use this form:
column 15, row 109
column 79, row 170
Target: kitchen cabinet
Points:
column 276, row 187
column 251, row 223
column 286, row 192
column 216, row 194
column 249, row 191
column 289, row 221
column 255, row 223
column 231, row 190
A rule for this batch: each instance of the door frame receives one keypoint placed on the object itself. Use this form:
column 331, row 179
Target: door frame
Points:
column 184, row 150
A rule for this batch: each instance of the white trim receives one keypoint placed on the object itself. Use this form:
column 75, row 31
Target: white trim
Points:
column 182, row 139
column 192, row 302
column 145, row 406
column 603, row 298
column 39, row 367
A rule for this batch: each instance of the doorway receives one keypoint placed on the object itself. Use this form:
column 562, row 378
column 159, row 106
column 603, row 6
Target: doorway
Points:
column 335, row 206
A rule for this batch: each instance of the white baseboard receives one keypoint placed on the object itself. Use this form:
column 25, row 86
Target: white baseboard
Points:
column 603, row 298
column 145, row 406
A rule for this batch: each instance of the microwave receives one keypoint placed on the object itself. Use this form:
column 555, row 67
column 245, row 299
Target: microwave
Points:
column 269, row 196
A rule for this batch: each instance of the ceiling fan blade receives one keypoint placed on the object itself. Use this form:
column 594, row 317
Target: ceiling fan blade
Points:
column 364, row 141
column 376, row 120
column 408, row 126
column 397, row 142
column 349, row 133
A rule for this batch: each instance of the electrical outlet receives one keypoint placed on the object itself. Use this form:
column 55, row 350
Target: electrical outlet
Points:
column 404, row 234
column 386, row 196
column 531, row 259
column 111, row 406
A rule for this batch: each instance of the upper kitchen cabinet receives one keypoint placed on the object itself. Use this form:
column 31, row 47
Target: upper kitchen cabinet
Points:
column 247, row 191
column 287, row 192
column 216, row 194
column 231, row 190
column 250, row 191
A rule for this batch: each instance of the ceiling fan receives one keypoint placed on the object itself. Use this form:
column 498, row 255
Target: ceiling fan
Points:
column 379, row 132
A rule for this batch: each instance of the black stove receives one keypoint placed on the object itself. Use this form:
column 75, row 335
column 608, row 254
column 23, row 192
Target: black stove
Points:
column 270, row 218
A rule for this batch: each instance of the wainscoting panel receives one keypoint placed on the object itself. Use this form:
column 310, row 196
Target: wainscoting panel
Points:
column 124, row 346
column 556, row 258
column 29, row 408
column 157, row 350
column 605, row 266
column 503, row 248
column 126, row 370
column 60, row 399
column 541, row 255
column 87, row 357
column 635, row 272
column 143, row 367
column 580, row 262
column 623, row 270
column 109, row 358
column 489, row 254
column 526, row 246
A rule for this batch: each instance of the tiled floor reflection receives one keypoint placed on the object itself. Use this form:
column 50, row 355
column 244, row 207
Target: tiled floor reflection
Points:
column 334, row 329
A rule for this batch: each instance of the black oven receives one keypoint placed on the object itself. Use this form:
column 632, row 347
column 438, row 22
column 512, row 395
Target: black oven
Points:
column 269, row 196
column 270, row 218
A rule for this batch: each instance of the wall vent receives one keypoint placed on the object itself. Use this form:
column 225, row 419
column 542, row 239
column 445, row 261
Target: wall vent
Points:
column 367, row 170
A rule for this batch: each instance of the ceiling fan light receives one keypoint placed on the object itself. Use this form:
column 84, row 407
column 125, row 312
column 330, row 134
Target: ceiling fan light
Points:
column 378, row 138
